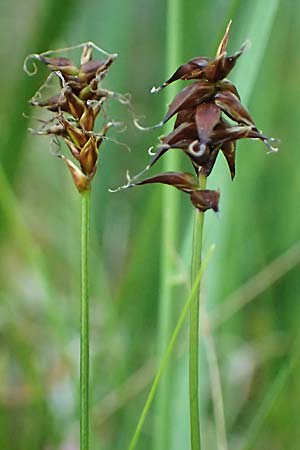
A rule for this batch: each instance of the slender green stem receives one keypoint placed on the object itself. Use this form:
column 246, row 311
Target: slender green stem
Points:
column 194, row 329
column 84, row 324
column 167, row 354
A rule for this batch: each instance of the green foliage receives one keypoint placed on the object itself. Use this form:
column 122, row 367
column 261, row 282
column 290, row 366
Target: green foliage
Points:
column 40, row 245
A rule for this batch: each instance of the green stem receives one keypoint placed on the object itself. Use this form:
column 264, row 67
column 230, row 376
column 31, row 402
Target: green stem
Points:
column 194, row 328
column 167, row 354
column 84, row 324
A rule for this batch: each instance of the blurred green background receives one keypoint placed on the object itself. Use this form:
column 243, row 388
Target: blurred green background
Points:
column 252, row 285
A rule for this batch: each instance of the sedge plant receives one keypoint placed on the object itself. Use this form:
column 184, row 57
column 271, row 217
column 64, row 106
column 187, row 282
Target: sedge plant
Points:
column 73, row 110
column 210, row 118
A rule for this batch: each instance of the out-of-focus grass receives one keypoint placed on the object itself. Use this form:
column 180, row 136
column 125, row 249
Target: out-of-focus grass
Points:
column 46, row 21
column 40, row 248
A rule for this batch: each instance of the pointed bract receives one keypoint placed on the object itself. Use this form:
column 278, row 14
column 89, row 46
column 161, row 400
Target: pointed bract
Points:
column 185, row 182
column 77, row 136
column 82, row 182
column 207, row 116
column 87, row 119
column 205, row 199
column 184, row 131
column 231, row 105
column 224, row 42
column 88, row 70
column 193, row 69
column 189, row 97
column 75, row 105
column 228, row 150
column 63, row 65
column 225, row 132
column 89, row 156
column 73, row 149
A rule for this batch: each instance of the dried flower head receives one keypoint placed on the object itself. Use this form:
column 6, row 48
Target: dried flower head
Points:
column 75, row 107
column 200, row 129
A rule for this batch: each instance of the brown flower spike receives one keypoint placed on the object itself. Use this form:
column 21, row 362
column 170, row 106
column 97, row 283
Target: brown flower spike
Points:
column 75, row 108
column 200, row 129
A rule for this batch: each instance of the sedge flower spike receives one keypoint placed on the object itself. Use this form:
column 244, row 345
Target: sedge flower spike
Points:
column 75, row 107
column 201, row 129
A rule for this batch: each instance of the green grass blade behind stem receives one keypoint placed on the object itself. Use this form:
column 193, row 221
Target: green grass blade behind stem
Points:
column 191, row 298
column 194, row 328
column 258, row 31
column 256, row 285
column 271, row 396
column 257, row 28
column 84, row 325
column 170, row 206
column 215, row 384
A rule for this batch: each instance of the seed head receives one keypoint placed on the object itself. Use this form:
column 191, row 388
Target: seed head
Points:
column 75, row 107
column 201, row 130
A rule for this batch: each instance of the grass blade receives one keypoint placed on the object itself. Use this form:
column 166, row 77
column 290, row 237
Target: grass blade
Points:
column 168, row 352
column 271, row 396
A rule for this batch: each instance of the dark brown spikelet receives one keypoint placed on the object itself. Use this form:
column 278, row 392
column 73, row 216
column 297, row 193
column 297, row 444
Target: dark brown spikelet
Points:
column 201, row 130
column 205, row 199
column 75, row 108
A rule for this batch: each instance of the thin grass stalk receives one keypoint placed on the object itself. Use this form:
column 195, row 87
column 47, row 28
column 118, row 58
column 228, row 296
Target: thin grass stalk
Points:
column 215, row 386
column 84, row 323
column 167, row 354
column 170, row 207
column 194, row 328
